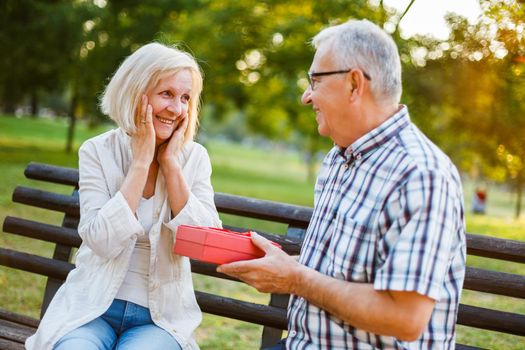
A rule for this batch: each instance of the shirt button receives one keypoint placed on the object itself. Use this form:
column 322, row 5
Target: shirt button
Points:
column 358, row 156
column 293, row 333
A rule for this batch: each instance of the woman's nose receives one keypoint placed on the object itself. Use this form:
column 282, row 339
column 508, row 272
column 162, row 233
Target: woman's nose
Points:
column 175, row 107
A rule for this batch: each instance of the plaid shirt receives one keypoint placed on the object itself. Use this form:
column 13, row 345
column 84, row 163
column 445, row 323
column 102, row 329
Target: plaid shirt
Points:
column 388, row 211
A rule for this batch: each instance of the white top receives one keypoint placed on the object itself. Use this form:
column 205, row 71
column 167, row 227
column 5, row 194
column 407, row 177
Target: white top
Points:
column 134, row 288
column 109, row 231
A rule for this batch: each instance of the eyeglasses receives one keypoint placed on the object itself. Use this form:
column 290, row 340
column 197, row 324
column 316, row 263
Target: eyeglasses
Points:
column 320, row 74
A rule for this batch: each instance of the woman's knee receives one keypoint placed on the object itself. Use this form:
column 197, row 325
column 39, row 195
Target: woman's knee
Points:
column 147, row 337
column 95, row 335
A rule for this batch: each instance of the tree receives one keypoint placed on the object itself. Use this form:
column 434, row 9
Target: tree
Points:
column 467, row 91
column 34, row 37
column 256, row 57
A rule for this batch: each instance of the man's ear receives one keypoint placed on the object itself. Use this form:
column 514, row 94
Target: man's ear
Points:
column 356, row 83
column 352, row 86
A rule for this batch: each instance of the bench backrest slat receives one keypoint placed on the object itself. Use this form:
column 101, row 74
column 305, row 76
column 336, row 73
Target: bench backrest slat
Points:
column 242, row 310
column 496, row 248
column 45, row 232
column 494, row 320
column 482, row 280
column 52, row 173
column 35, row 264
column 47, row 200
column 294, row 215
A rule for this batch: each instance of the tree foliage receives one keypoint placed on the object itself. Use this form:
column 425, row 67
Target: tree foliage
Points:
column 467, row 92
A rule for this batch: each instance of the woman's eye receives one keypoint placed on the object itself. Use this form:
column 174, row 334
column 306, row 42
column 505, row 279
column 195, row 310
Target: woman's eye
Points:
column 186, row 98
column 166, row 93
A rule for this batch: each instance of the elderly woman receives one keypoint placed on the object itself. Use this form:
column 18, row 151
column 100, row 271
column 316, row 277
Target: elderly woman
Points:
column 138, row 183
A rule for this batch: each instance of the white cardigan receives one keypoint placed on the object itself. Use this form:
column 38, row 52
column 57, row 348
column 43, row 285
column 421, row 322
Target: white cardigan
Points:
column 109, row 230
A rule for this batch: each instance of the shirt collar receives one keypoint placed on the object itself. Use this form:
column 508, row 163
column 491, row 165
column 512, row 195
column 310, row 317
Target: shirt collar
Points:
column 372, row 140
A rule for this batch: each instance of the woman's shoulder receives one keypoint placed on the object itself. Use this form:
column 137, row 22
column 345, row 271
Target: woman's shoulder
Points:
column 109, row 137
column 194, row 153
column 194, row 148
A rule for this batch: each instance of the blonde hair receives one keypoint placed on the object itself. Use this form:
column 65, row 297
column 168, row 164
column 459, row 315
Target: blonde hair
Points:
column 141, row 71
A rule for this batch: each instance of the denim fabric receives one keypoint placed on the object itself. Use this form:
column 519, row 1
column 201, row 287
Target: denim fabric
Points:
column 124, row 326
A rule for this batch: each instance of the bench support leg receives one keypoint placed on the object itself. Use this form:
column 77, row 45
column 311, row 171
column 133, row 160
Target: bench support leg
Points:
column 62, row 253
column 271, row 336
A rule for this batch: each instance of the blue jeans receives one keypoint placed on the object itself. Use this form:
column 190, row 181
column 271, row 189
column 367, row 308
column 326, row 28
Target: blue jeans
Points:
column 124, row 326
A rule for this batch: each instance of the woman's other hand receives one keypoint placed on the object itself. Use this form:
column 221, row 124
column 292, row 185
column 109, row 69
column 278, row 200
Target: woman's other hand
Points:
column 168, row 158
column 167, row 155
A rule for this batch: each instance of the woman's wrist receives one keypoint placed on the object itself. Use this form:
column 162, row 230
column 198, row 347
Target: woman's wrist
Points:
column 170, row 166
column 140, row 165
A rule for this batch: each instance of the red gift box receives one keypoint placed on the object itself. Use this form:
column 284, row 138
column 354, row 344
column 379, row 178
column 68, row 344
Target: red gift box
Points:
column 214, row 245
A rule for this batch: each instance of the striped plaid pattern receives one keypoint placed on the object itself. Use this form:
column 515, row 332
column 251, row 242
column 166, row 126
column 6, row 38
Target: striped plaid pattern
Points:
column 388, row 211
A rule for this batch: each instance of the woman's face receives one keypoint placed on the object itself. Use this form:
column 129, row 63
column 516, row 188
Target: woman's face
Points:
column 170, row 100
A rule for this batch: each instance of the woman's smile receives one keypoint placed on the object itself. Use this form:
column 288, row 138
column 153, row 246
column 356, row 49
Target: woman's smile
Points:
column 165, row 120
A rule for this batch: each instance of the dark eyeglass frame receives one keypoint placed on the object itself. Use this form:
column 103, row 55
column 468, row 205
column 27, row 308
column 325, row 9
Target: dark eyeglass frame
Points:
column 320, row 74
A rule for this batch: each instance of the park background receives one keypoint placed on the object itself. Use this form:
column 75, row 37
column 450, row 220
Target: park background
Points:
column 465, row 91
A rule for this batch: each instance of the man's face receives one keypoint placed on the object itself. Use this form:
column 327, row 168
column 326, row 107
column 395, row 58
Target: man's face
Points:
column 328, row 97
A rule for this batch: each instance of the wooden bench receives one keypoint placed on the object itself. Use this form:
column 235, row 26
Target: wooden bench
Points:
column 15, row 328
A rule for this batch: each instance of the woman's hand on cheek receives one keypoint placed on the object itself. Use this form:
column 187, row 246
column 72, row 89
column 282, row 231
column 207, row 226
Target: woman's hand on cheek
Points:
column 143, row 141
column 167, row 155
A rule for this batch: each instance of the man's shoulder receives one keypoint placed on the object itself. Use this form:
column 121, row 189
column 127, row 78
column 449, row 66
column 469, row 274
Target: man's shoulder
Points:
column 423, row 154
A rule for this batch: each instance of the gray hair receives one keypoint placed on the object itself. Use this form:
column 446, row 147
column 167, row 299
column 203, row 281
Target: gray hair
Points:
column 362, row 44
column 139, row 72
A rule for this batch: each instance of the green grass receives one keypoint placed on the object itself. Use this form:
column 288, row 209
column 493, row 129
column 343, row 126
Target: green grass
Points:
column 272, row 174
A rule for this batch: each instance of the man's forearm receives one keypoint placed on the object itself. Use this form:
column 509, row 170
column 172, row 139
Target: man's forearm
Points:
column 403, row 315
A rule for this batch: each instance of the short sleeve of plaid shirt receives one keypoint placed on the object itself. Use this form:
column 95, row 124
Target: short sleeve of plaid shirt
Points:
column 416, row 249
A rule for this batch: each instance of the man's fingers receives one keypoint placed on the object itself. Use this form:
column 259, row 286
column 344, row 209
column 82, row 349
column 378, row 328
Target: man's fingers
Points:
column 235, row 268
column 261, row 242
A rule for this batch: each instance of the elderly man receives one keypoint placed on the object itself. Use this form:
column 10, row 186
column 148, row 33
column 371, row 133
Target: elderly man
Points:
column 383, row 260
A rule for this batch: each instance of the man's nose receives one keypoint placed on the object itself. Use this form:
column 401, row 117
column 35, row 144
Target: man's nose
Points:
column 306, row 98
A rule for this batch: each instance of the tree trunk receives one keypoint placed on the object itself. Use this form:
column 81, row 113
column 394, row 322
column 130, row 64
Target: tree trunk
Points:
column 311, row 148
column 382, row 13
column 310, row 165
column 519, row 192
column 34, row 104
column 72, row 122
column 9, row 107
column 11, row 95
